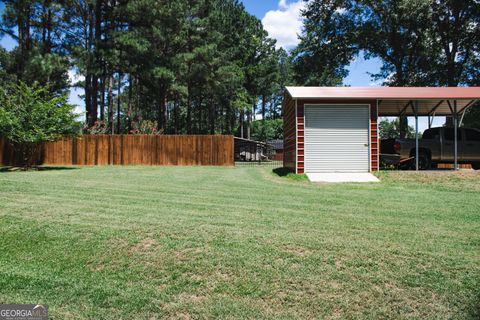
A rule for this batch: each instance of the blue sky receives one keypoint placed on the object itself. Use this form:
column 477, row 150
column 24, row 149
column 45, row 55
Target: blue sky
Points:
column 281, row 18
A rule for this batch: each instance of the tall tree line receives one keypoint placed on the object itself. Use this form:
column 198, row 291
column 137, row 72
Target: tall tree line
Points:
column 208, row 66
column 191, row 66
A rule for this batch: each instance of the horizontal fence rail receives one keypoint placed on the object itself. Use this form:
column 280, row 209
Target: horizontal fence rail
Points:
column 181, row 150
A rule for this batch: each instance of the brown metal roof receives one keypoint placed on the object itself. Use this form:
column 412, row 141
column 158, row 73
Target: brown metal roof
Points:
column 406, row 93
column 395, row 101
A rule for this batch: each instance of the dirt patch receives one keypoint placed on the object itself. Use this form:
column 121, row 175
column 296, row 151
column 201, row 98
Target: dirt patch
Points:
column 299, row 251
column 190, row 298
column 98, row 268
column 336, row 313
column 183, row 316
column 187, row 253
column 144, row 245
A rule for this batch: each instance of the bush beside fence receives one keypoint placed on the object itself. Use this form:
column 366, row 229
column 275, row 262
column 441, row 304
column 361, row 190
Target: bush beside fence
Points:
column 183, row 150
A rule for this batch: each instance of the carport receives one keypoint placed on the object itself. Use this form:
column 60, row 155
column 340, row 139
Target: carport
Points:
column 335, row 129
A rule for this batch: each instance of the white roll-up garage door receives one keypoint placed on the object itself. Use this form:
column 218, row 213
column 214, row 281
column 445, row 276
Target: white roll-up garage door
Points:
column 337, row 138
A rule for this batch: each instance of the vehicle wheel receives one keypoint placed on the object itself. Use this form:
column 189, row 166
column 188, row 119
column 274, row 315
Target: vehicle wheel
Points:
column 424, row 161
column 476, row 166
column 407, row 165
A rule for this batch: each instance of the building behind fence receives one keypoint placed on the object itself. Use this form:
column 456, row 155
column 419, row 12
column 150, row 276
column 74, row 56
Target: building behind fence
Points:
column 250, row 152
column 131, row 150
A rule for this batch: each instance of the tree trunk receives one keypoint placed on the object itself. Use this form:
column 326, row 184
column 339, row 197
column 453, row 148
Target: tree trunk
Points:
column 264, row 106
column 88, row 100
column 94, row 98
column 200, row 118
column 98, row 59
column 242, row 119
column 161, row 112
column 233, row 119
column 223, row 119
column 249, row 122
column 189, row 112
column 138, row 92
column 102, row 97
column 21, row 43
column 110, row 103
column 90, row 95
column 49, row 31
column 23, row 25
column 227, row 119
column 119, row 101
column 28, row 152
column 159, row 116
column 129, row 103
column 273, row 112
column 211, row 117
column 46, row 23
column 165, row 115
column 175, row 114
column 403, row 123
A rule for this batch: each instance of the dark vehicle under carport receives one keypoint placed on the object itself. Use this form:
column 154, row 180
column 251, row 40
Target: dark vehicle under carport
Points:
column 436, row 146
column 431, row 102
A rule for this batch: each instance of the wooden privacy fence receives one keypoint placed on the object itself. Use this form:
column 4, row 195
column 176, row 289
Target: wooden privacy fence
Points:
column 188, row 150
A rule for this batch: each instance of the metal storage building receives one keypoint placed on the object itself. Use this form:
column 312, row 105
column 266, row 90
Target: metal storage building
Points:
column 335, row 129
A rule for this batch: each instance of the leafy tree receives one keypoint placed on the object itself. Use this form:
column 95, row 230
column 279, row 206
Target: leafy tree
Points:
column 388, row 30
column 420, row 42
column 30, row 115
column 326, row 45
column 390, row 129
column 6, row 77
column 455, row 34
column 285, row 78
column 472, row 118
column 267, row 130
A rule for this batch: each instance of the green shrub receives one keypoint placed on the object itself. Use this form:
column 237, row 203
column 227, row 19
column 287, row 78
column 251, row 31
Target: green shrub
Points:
column 32, row 115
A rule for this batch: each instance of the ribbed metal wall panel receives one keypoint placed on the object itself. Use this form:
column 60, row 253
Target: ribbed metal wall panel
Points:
column 337, row 138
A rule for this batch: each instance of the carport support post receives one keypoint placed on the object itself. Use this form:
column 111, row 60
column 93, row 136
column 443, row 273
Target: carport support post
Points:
column 455, row 129
column 417, row 153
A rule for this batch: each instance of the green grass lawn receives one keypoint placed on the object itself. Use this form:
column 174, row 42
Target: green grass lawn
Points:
column 171, row 242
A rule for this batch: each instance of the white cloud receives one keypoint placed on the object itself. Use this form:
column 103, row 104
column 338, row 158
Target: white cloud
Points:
column 75, row 99
column 74, row 77
column 285, row 23
column 75, row 94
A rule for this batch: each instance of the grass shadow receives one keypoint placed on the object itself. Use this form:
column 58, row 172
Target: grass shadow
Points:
column 282, row 172
column 289, row 174
column 40, row 168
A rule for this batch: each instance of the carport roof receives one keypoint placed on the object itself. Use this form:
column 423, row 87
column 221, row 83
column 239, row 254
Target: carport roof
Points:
column 396, row 101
